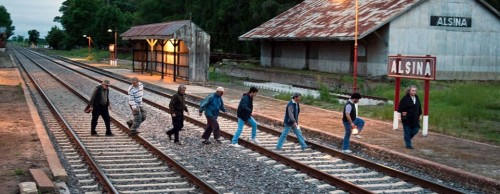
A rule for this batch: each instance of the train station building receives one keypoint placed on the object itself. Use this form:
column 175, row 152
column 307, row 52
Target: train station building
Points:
column 178, row 49
column 463, row 35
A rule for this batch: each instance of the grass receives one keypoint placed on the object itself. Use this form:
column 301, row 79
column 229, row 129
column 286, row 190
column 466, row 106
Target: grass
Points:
column 18, row 172
column 95, row 55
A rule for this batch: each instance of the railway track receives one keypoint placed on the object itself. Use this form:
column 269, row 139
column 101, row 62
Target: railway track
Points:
column 340, row 172
column 121, row 164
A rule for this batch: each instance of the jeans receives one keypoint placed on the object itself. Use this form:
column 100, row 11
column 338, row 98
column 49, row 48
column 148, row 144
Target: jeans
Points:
column 139, row 117
column 409, row 133
column 297, row 132
column 100, row 111
column 240, row 128
column 178, row 123
column 347, row 136
column 212, row 125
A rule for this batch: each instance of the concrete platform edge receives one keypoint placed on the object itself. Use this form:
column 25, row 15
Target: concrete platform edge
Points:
column 53, row 160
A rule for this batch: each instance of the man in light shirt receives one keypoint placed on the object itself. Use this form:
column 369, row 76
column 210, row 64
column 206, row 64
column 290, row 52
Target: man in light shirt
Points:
column 135, row 93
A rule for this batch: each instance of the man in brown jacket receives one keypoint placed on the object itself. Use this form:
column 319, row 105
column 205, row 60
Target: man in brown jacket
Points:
column 177, row 107
column 100, row 105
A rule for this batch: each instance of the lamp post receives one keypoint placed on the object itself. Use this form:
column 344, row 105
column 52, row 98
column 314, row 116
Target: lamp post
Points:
column 90, row 40
column 114, row 60
column 355, row 88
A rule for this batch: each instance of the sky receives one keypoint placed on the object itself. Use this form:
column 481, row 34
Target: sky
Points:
column 27, row 15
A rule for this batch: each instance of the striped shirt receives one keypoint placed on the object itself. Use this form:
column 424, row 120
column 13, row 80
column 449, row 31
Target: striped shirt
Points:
column 135, row 95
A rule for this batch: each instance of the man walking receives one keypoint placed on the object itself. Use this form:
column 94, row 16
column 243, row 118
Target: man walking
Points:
column 177, row 107
column 351, row 121
column 244, row 113
column 291, row 120
column 212, row 104
column 411, row 112
column 100, row 105
column 135, row 93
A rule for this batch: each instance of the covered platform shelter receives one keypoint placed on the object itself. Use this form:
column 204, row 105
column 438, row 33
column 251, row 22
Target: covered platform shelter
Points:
column 178, row 49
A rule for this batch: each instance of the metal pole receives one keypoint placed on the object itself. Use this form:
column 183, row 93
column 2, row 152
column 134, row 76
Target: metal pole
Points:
column 89, row 43
column 355, row 88
column 116, row 50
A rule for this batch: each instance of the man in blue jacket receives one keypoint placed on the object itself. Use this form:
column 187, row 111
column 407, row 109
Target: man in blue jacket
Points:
column 291, row 121
column 244, row 113
column 212, row 105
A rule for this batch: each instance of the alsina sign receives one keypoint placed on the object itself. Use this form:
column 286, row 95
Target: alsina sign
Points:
column 416, row 67
column 451, row 21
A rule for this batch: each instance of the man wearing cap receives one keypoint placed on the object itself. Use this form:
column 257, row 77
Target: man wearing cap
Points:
column 177, row 107
column 100, row 104
column 212, row 105
column 135, row 93
column 291, row 120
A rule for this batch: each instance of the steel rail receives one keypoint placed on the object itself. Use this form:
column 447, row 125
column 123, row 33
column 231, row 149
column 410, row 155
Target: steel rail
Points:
column 204, row 186
column 99, row 173
column 360, row 161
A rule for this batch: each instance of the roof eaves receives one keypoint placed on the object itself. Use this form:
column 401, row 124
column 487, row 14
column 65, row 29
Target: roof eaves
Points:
column 491, row 8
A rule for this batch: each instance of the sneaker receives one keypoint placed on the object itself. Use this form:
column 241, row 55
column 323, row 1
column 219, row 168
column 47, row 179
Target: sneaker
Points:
column 129, row 123
column 254, row 140
column 358, row 136
column 206, row 142
column 236, row 145
column 94, row 134
column 280, row 149
column 347, row 151
column 218, row 141
column 169, row 136
column 110, row 134
column 178, row 143
column 409, row 147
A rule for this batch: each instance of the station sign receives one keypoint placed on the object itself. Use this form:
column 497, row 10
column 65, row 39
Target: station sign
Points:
column 415, row 67
column 451, row 21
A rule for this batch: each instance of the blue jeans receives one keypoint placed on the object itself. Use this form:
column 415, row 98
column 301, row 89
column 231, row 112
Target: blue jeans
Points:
column 347, row 136
column 283, row 135
column 240, row 128
column 409, row 133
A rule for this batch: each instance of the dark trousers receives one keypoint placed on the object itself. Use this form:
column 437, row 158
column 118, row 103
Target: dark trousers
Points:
column 409, row 133
column 178, row 123
column 212, row 125
column 100, row 111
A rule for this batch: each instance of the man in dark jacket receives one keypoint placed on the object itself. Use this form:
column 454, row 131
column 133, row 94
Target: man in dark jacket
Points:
column 177, row 107
column 411, row 112
column 100, row 104
column 291, row 121
column 244, row 113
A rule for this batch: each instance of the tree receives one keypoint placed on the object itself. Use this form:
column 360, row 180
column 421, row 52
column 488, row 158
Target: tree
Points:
column 77, row 19
column 55, row 38
column 34, row 35
column 109, row 17
column 6, row 22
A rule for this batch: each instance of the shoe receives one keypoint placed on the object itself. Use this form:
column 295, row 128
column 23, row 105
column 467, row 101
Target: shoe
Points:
column 178, row 143
column 129, row 123
column 169, row 136
column 280, row 149
column 254, row 140
column 218, row 141
column 307, row 148
column 134, row 132
column 236, row 145
column 206, row 142
column 358, row 136
column 110, row 134
column 94, row 134
column 347, row 151
column 409, row 147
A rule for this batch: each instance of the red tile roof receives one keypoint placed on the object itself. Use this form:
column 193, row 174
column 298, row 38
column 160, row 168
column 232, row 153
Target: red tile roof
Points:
column 330, row 20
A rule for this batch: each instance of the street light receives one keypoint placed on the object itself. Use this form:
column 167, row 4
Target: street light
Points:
column 90, row 40
column 355, row 88
column 114, row 59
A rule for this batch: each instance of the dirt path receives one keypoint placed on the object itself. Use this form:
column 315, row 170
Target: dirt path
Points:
column 20, row 148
